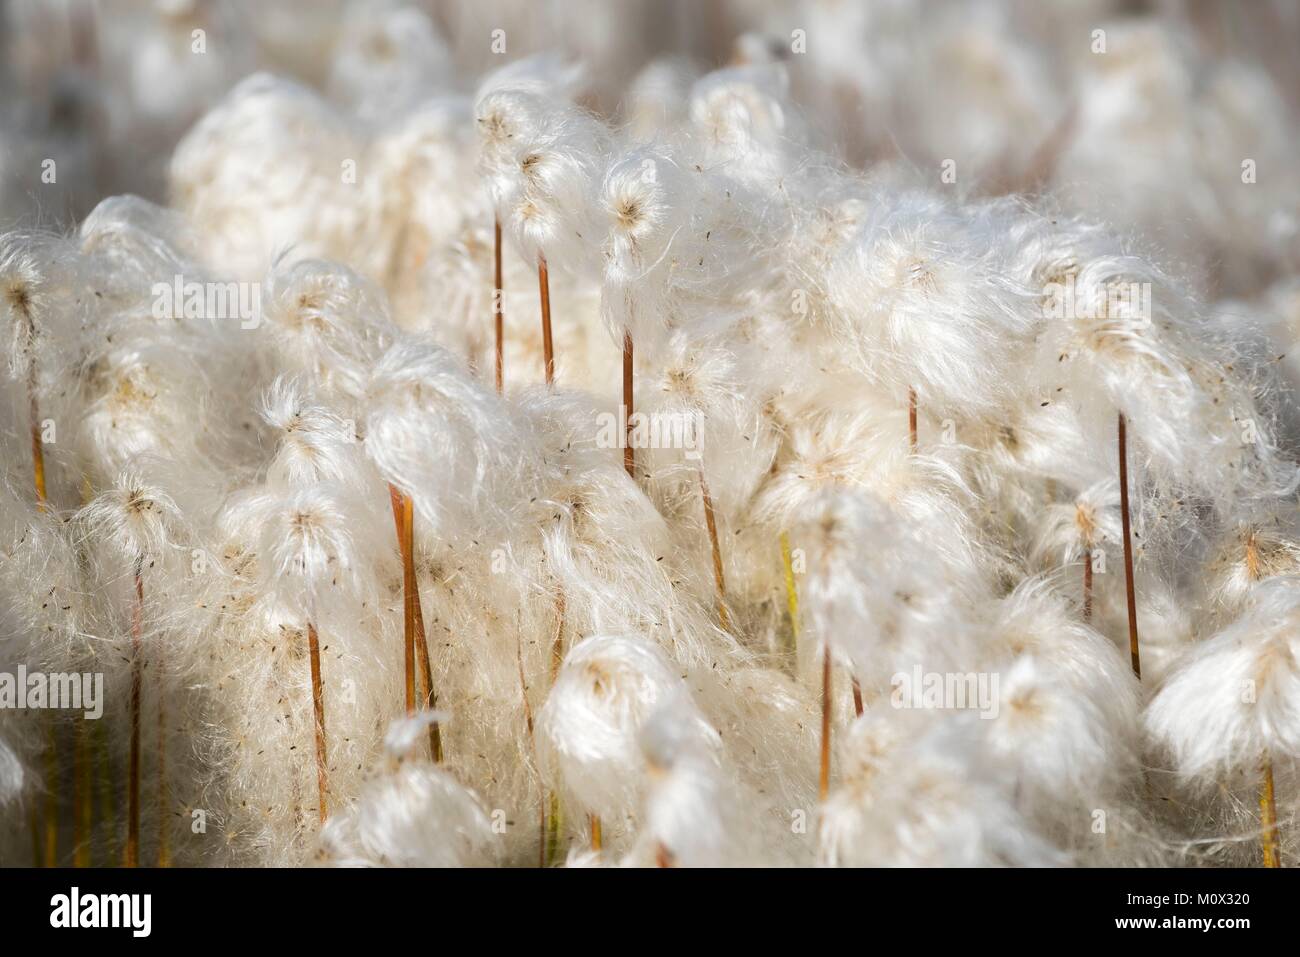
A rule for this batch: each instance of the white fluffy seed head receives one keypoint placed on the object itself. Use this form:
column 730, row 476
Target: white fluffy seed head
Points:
column 307, row 549
column 446, row 441
column 22, row 302
column 262, row 172
column 41, row 307
column 1070, row 531
column 685, row 812
column 316, row 444
column 745, row 121
column 936, row 807
column 410, row 815
column 389, row 56
column 136, row 519
column 588, row 730
column 327, row 323
column 923, row 302
column 1247, row 553
column 887, row 611
column 404, row 734
column 1233, row 698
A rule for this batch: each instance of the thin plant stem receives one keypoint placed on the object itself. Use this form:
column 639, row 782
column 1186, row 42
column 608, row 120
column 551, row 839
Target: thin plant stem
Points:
column 1268, row 815
column 629, row 453
column 1087, row 586
column 719, row 578
column 557, row 643
column 429, row 695
column 38, row 449
column 132, row 853
column 38, row 481
column 318, row 710
column 1267, row 805
column 164, row 848
column 824, row 778
column 554, row 824
column 791, row 592
column 544, row 292
column 593, row 823
column 413, row 615
column 1128, row 548
column 911, row 419
column 408, row 603
column 498, row 317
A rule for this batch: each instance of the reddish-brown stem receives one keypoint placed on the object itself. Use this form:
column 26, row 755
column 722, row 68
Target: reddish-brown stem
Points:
column 1128, row 548
column 408, row 601
column 1268, row 815
column 857, row 697
column 719, row 578
column 498, row 317
column 544, row 291
column 404, row 512
column 430, row 697
column 34, row 411
column 44, row 852
column 824, row 778
column 164, row 849
column 38, row 450
column 593, row 821
column 629, row 453
column 663, row 856
column 132, row 856
column 318, row 710
column 911, row 419
column 1087, row 585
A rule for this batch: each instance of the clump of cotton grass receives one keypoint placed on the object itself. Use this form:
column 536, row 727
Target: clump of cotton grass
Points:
column 926, row 311
column 1078, row 532
column 417, row 213
column 686, row 808
column 48, row 615
column 445, row 440
column 388, row 59
column 136, row 524
column 1225, row 712
column 40, row 310
column 389, row 825
column 899, row 471
column 891, row 627
column 918, row 796
column 540, row 158
column 723, row 447
column 454, row 457
column 263, row 171
column 327, row 322
column 607, row 689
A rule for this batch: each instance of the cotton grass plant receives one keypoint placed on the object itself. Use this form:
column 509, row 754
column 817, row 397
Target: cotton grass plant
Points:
column 397, row 573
